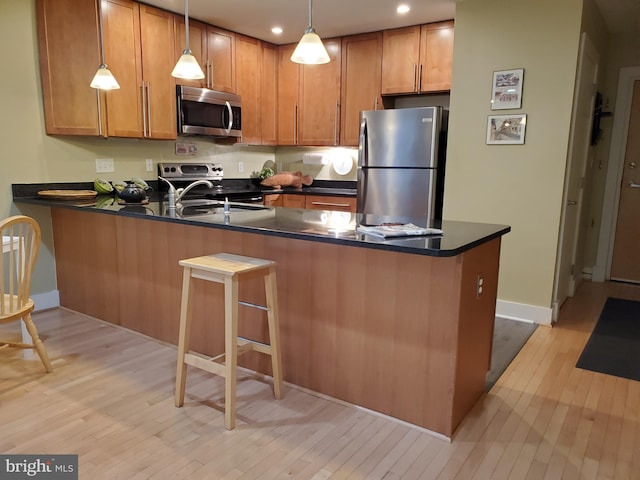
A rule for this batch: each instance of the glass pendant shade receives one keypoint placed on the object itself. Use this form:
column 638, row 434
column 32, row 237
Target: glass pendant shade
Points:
column 310, row 50
column 104, row 79
column 187, row 67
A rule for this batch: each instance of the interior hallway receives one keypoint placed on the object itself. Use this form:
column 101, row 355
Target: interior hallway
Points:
column 110, row 400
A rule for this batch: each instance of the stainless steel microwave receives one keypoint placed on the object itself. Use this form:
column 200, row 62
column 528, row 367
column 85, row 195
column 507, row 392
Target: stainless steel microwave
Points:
column 207, row 112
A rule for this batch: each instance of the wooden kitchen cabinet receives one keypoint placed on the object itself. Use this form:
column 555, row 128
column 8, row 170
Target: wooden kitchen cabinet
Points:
column 361, row 70
column 323, row 202
column 309, row 98
column 248, row 61
column 293, row 200
column 269, row 94
column 70, row 105
column 273, row 200
column 417, row 59
column 221, row 55
column 139, row 46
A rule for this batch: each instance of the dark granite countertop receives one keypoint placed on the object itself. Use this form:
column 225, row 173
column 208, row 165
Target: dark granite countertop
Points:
column 312, row 225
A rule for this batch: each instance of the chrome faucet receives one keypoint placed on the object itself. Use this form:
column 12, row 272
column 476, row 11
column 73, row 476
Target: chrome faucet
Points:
column 176, row 194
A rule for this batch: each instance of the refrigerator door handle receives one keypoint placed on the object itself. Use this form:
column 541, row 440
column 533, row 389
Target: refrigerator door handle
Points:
column 362, row 143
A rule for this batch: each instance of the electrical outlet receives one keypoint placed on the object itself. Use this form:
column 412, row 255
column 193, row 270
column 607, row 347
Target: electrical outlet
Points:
column 104, row 165
column 149, row 164
column 479, row 286
column 240, row 167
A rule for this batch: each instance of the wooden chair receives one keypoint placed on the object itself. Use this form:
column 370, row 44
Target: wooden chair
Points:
column 20, row 246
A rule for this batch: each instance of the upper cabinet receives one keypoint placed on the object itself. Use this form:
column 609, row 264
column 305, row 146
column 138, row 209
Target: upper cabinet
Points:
column 139, row 48
column 248, row 62
column 417, row 59
column 71, row 107
column 361, row 69
column 220, row 65
column 309, row 98
column 269, row 94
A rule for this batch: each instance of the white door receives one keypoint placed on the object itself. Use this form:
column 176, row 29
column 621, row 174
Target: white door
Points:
column 569, row 262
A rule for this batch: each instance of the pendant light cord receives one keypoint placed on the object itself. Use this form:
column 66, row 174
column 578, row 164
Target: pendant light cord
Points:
column 186, row 24
column 101, row 34
column 310, row 14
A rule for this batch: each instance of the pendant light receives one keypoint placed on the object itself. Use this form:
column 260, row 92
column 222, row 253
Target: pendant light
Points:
column 187, row 66
column 103, row 79
column 310, row 49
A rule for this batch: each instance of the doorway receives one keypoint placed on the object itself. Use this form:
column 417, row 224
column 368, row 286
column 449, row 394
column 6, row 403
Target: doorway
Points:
column 616, row 192
column 625, row 262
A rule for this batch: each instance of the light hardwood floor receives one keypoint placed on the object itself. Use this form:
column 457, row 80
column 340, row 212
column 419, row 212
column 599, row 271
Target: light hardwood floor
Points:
column 110, row 400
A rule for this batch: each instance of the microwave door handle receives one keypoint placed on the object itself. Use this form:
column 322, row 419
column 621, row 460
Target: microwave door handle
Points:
column 228, row 129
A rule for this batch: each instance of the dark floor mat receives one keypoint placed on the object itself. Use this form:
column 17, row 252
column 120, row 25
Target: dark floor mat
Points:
column 614, row 345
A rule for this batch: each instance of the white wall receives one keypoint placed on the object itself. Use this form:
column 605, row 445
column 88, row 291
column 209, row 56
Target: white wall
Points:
column 516, row 185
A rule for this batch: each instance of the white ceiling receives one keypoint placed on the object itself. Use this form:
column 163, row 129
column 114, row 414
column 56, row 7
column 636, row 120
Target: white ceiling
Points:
column 342, row 17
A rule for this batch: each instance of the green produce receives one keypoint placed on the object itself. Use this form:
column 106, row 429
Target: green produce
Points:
column 119, row 185
column 102, row 186
column 104, row 201
column 266, row 173
column 140, row 183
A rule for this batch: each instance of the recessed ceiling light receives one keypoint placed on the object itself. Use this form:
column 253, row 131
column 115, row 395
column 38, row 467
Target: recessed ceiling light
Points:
column 402, row 8
column 276, row 30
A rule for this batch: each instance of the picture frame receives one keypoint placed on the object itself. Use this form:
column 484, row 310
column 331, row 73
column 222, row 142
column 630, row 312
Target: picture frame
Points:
column 506, row 129
column 506, row 89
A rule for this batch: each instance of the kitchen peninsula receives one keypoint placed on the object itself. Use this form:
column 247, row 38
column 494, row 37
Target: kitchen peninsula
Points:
column 403, row 327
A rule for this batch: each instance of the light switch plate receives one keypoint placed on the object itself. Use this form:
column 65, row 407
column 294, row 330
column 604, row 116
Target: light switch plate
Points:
column 149, row 164
column 104, row 165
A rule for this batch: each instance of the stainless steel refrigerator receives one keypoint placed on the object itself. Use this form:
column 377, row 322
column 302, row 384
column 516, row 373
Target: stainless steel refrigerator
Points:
column 401, row 160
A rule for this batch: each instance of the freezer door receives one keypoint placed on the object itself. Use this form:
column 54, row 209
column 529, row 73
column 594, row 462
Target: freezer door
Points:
column 404, row 137
column 396, row 195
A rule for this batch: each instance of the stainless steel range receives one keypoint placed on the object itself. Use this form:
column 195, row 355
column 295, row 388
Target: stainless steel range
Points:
column 183, row 174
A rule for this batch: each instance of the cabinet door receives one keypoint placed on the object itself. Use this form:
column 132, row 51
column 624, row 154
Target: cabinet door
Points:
column 293, row 200
column 248, row 63
column 436, row 56
column 121, row 27
column 197, row 45
column 361, row 70
column 221, row 52
column 288, row 79
column 319, row 97
column 273, row 200
column 157, row 38
column 400, row 57
column 269, row 94
column 70, row 105
column 338, row 204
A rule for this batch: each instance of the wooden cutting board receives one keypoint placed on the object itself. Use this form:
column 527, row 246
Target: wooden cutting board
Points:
column 68, row 194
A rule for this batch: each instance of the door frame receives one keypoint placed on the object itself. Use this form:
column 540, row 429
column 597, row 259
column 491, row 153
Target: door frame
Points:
column 587, row 49
column 610, row 204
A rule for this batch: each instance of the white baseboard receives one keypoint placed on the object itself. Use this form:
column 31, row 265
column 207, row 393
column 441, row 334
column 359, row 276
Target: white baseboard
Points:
column 44, row 301
column 523, row 312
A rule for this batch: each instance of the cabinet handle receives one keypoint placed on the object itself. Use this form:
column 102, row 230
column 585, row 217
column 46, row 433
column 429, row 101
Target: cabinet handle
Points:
column 144, row 112
column 149, row 106
column 415, row 76
column 209, row 75
column 419, row 84
column 375, row 103
column 634, row 185
column 330, row 204
column 336, row 118
column 295, row 123
column 99, row 113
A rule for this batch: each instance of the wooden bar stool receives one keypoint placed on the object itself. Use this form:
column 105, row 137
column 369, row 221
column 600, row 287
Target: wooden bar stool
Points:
column 226, row 268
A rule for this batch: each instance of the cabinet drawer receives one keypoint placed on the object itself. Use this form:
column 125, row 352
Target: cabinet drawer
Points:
column 293, row 201
column 321, row 202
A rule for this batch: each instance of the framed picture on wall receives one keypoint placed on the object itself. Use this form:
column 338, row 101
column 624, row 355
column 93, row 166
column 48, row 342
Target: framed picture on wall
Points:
column 506, row 129
column 506, row 89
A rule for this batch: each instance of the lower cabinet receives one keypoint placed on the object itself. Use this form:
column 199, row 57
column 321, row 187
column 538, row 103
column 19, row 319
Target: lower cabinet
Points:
column 311, row 202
